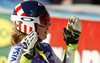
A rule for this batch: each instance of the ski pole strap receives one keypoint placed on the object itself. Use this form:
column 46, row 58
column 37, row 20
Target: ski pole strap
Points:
column 73, row 57
column 65, row 57
column 66, row 49
column 42, row 54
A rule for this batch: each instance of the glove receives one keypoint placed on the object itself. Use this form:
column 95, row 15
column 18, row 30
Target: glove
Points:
column 74, row 26
column 28, row 44
column 72, row 32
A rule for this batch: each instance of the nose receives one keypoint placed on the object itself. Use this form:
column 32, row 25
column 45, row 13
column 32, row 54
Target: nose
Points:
column 47, row 27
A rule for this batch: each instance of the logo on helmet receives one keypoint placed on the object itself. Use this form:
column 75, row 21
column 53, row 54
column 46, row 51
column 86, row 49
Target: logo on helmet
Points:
column 40, row 4
column 27, row 19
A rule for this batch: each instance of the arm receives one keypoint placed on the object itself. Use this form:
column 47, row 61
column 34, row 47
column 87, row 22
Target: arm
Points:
column 14, row 54
column 71, row 37
column 57, row 60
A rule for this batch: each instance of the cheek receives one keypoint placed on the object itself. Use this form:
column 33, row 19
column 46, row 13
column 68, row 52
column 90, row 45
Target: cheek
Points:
column 42, row 34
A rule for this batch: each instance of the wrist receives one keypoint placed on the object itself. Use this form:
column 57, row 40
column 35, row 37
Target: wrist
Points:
column 72, row 47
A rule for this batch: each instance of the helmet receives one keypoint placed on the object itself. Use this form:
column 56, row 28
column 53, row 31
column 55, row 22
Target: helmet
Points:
column 27, row 13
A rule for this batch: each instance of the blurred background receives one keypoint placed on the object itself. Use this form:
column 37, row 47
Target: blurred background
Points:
column 88, row 11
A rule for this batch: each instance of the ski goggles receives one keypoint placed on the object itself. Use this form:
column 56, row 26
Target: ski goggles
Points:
column 43, row 19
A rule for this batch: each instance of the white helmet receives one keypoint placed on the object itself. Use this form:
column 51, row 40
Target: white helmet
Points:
column 27, row 13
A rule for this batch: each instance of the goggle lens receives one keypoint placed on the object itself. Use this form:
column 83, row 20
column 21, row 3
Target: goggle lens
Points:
column 44, row 19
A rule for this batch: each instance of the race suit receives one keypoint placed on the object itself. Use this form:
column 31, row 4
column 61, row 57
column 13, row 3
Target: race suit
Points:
column 14, row 55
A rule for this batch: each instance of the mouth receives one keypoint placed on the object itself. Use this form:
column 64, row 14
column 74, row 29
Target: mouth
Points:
column 46, row 32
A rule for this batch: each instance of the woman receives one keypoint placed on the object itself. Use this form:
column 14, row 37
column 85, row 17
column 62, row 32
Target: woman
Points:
column 31, row 23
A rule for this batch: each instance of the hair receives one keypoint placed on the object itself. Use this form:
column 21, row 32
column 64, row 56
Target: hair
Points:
column 16, row 37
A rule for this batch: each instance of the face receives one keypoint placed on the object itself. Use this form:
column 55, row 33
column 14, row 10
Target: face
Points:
column 42, row 30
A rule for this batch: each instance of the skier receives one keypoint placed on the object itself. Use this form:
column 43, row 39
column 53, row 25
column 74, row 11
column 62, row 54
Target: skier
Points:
column 31, row 23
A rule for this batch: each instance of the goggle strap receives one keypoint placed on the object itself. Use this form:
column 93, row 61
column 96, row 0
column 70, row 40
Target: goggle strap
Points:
column 24, row 18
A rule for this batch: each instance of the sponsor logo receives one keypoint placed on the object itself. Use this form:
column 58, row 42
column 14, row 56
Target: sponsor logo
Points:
column 27, row 19
column 15, row 54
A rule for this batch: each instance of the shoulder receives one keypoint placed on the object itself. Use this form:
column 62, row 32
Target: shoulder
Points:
column 15, row 53
column 16, row 48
